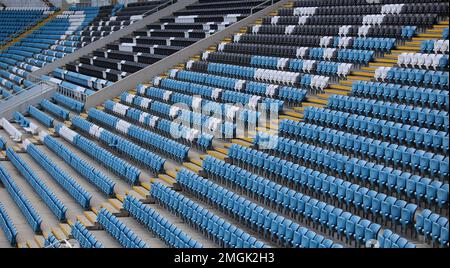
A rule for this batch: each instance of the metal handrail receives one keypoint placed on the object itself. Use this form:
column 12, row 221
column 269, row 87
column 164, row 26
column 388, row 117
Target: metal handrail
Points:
column 166, row 4
column 262, row 4
column 62, row 244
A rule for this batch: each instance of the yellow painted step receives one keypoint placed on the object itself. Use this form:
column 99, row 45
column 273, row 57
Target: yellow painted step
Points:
column 217, row 155
column 241, row 142
column 39, row 240
column 141, row 190
column 381, row 64
column 32, row 244
column 310, row 104
column 66, row 229
column 192, row 167
column 340, row 87
column 91, row 216
column 58, row 233
column 364, row 74
column 369, row 69
column 292, row 114
column 285, row 117
column 409, row 47
column 120, row 197
column 392, row 56
column 430, row 35
column 358, row 78
column 386, row 60
column 116, row 204
column 172, row 173
column 317, row 100
column 83, row 220
column 167, row 178
column 146, row 185
column 222, row 150
column 198, row 162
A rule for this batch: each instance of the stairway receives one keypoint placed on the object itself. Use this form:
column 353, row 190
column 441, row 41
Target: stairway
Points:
column 32, row 29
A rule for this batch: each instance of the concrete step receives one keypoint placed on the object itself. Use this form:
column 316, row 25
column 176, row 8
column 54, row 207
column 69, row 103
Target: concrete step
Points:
column 66, row 229
column 340, row 87
column 364, row 74
column 91, row 216
column 293, row 114
column 116, row 204
column 381, row 64
column 87, row 223
column 32, row 244
column 39, row 240
column 192, row 167
column 386, row 60
column 167, row 178
column 358, row 78
column 58, row 233
column 241, row 142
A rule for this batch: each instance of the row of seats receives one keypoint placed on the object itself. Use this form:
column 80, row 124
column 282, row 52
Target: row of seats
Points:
column 40, row 116
column 385, row 31
column 434, row 79
column 410, row 95
column 285, row 93
column 160, row 226
column 388, row 239
column 433, row 226
column 422, row 60
column 209, row 124
column 295, row 65
column 354, row 19
column 51, row 241
column 169, row 128
column 153, row 161
column 91, row 174
column 389, row 4
column 216, row 94
column 309, row 44
column 80, row 195
column 84, row 237
column 45, row 193
column 225, row 233
column 119, row 231
column 375, row 128
column 55, row 109
column 436, row 46
column 68, row 102
column 264, row 220
column 367, row 148
column 24, row 205
column 159, row 143
column 224, row 109
column 114, row 163
column 422, row 117
column 2, row 144
column 413, row 186
column 369, row 202
column 7, row 226
column 376, row 7
column 435, row 167
column 311, row 209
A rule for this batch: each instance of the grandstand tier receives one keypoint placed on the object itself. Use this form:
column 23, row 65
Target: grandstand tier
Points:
column 321, row 125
